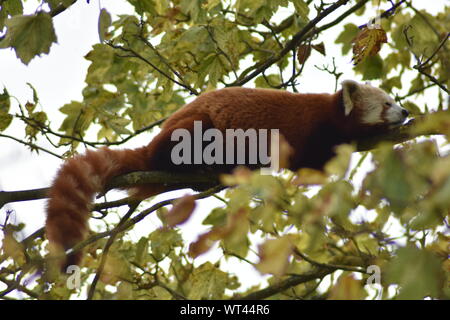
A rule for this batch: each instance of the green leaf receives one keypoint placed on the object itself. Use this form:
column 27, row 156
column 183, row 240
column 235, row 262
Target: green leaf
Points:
column 141, row 250
column 39, row 118
column 78, row 119
column 119, row 125
column 269, row 81
column 13, row 7
column 193, row 8
column 104, row 22
column 5, row 104
column 213, row 67
column 211, row 4
column 207, row 282
column 3, row 17
column 412, row 107
column 100, row 70
column 346, row 37
column 302, row 9
column 35, row 96
column 29, row 35
column 124, row 291
column 162, row 242
column 161, row 6
column 217, row 217
column 371, row 68
column 5, row 120
column 394, row 82
column 424, row 40
column 227, row 39
column 395, row 185
column 142, row 6
column 417, row 272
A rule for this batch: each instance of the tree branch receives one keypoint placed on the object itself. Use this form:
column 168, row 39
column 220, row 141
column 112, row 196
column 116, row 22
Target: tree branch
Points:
column 53, row 13
column 291, row 281
column 175, row 180
column 386, row 14
column 422, row 66
column 295, row 41
column 13, row 285
column 134, row 54
column 139, row 217
column 108, row 245
column 31, row 145
column 47, row 130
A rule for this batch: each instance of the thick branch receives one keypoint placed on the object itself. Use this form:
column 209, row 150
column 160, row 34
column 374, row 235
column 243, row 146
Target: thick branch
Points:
column 107, row 247
column 175, row 180
column 398, row 135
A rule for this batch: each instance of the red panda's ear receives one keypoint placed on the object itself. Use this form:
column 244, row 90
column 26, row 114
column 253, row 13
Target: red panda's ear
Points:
column 349, row 87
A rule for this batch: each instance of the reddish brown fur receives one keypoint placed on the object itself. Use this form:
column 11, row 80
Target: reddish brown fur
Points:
column 312, row 124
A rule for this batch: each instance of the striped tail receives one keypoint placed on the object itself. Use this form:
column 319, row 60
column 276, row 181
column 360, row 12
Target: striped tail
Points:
column 72, row 193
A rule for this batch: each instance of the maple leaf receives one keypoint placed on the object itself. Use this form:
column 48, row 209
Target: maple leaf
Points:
column 368, row 43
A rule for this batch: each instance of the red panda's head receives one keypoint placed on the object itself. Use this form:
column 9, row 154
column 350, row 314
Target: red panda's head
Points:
column 369, row 107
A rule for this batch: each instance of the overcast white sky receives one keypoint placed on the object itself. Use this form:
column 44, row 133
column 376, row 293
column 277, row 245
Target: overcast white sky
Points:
column 59, row 78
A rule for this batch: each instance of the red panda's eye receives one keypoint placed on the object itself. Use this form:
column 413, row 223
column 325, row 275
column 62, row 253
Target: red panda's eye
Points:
column 388, row 104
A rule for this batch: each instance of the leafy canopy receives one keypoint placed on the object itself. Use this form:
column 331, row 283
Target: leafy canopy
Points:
column 294, row 228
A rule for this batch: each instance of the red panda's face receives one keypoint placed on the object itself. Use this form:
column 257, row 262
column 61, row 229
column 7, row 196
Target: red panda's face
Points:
column 373, row 106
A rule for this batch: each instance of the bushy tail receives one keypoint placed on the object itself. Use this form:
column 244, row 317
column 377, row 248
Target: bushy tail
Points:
column 82, row 177
column 72, row 193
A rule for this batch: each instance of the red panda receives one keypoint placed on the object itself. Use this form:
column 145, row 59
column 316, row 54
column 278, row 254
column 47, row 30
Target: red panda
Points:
column 312, row 124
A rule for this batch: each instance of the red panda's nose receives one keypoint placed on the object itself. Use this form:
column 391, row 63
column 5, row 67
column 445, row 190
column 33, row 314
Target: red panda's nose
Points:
column 405, row 113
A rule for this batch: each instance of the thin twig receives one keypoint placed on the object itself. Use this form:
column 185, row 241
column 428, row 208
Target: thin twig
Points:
column 108, row 245
column 386, row 13
column 151, row 64
column 285, row 284
column 47, row 130
column 327, row 265
column 296, row 39
column 31, row 145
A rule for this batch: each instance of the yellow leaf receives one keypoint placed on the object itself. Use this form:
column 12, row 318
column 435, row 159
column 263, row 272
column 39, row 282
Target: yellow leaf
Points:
column 236, row 228
column 115, row 268
column 368, row 43
column 13, row 248
column 274, row 256
column 348, row 288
